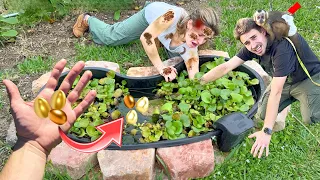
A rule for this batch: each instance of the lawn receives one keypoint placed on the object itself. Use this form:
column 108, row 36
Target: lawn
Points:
column 294, row 152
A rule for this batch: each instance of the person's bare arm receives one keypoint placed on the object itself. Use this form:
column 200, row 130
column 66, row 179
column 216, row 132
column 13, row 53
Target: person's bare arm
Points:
column 262, row 139
column 273, row 101
column 222, row 69
column 153, row 31
column 26, row 161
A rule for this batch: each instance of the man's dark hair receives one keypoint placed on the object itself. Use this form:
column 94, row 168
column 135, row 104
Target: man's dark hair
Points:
column 243, row 26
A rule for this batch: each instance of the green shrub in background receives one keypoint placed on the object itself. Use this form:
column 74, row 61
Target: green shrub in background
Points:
column 7, row 28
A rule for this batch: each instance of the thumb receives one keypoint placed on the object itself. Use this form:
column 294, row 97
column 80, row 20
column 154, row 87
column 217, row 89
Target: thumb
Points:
column 13, row 91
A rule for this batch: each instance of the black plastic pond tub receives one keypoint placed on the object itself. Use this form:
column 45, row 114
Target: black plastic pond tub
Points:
column 144, row 86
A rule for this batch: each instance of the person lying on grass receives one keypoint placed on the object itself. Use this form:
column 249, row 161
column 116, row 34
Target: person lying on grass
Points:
column 179, row 32
column 289, row 81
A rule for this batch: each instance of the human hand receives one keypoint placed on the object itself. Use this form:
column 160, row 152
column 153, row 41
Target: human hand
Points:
column 42, row 132
column 289, row 20
column 169, row 73
column 262, row 141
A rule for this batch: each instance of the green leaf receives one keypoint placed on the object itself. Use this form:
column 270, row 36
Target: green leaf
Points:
column 212, row 107
column 215, row 91
column 205, row 96
column 178, row 126
column 11, row 20
column 236, row 97
column 210, row 65
column 97, row 122
column 243, row 75
column 146, row 133
column 198, row 75
column 170, row 131
column 10, row 33
column 238, row 82
column 225, row 93
column 182, row 90
column 116, row 15
column 83, row 123
column 166, row 117
column 249, row 100
column 253, row 81
column 82, row 133
column 76, row 124
column 167, row 107
column 244, row 108
column 185, row 120
column 91, row 131
column 184, row 107
column 94, row 83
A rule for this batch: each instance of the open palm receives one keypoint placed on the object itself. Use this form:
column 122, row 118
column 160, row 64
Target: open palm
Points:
column 42, row 130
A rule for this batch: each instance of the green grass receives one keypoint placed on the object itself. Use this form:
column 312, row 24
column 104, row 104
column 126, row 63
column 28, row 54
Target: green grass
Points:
column 131, row 53
column 35, row 65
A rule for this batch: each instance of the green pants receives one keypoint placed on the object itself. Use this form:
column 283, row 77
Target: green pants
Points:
column 305, row 91
column 120, row 32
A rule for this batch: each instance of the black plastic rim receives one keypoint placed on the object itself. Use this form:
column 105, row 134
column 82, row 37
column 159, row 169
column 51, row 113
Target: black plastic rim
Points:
column 149, row 83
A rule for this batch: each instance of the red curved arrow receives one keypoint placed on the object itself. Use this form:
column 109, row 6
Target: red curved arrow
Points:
column 111, row 131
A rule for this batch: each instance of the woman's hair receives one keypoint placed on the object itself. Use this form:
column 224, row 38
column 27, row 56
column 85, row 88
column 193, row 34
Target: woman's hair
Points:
column 243, row 26
column 207, row 16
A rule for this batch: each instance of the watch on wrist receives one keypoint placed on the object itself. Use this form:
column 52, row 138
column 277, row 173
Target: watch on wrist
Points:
column 267, row 131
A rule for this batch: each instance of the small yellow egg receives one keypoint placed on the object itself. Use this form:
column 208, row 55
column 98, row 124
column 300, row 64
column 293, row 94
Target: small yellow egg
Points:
column 58, row 116
column 129, row 101
column 58, row 100
column 142, row 105
column 132, row 117
column 41, row 107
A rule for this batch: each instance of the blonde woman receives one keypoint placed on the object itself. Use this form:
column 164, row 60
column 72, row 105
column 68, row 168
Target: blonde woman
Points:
column 179, row 32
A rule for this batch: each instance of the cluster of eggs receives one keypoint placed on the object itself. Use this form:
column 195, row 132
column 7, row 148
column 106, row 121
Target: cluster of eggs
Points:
column 142, row 106
column 57, row 102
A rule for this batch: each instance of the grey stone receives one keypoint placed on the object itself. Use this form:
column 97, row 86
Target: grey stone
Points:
column 12, row 138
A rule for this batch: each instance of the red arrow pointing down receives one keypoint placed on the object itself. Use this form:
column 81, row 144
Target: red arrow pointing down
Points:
column 111, row 131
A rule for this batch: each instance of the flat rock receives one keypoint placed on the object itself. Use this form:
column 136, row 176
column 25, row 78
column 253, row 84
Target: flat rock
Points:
column 127, row 165
column 41, row 81
column 151, row 70
column 74, row 162
column 103, row 64
column 194, row 160
column 11, row 138
column 213, row 52
column 257, row 67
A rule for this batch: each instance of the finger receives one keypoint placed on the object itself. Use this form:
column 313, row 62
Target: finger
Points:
column 72, row 75
column 75, row 93
column 253, row 147
column 55, row 74
column 267, row 150
column 256, row 150
column 174, row 70
column 166, row 78
column 13, row 92
column 84, row 104
column 252, row 135
column 261, row 151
